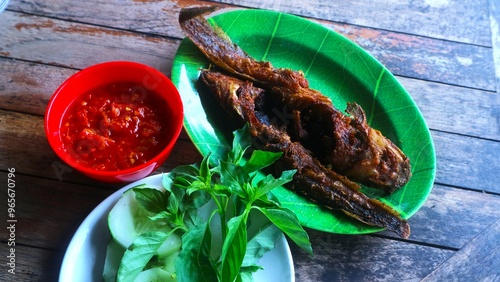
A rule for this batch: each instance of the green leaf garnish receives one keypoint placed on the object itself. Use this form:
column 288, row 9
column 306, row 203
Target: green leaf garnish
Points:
column 225, row 213
column 139, row 254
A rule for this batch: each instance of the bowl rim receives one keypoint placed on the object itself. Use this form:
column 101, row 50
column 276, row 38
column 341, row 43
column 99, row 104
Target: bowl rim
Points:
column 54, row 141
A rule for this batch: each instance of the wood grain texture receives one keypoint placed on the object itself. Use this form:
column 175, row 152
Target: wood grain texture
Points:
column 33, row 264
column 160, row 17
column 51, row 213
column 151, row 17
column 143, row 16
column 452, row 217
column 478, row 261
column 456, row 109
column 495, row 39
column 414, row 17
column 27, row 87
column 24, row 135
column 467, row 162
column 364, row 258
column 433, row 60
column 43, row 40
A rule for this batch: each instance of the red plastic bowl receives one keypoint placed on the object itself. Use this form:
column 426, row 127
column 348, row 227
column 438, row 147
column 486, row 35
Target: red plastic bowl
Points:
column 104, row 74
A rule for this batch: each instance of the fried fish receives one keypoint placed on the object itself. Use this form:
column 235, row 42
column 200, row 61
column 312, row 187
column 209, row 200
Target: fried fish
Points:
column 312, row 180
column 344, row 143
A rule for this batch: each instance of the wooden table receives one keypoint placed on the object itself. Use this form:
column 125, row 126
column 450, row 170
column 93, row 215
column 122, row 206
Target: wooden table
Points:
column 446, row 53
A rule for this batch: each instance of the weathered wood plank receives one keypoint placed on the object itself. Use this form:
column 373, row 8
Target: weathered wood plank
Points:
column 434, row 60
column 27, row 87
column 154, row 17
column 45, row 40
column 467, row 162
column 456, row 109
column 364, row 258
column 143, row 16
column 23, row 135
column 478, row 261
column 495, row 38
column 16, row 142
column 48, row 213
column 32, row 264
column 452, row 217
column 463, row 21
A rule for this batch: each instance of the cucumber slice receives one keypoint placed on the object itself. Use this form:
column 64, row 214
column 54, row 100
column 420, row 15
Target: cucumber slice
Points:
column 169, row 262
column 127, row 220
column 114, row 254
column 155, row 274
column 172, row 245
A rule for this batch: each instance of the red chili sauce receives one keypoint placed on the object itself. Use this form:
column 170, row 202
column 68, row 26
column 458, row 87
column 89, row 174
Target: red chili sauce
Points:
column 114, row 127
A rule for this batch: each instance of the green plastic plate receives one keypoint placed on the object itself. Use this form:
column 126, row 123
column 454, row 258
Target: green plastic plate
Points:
column 333, row 65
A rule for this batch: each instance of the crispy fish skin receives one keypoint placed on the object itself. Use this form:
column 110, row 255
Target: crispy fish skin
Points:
column 224, row 89
column 221, row 51
column 346, row 143
column 312, row 180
